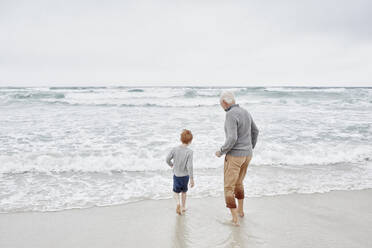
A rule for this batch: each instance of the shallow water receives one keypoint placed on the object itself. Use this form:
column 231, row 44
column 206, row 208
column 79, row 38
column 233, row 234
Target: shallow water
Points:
column 84, row 146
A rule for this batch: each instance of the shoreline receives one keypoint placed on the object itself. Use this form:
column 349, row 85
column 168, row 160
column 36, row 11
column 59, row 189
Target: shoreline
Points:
column 332, row 219
column 189, row 197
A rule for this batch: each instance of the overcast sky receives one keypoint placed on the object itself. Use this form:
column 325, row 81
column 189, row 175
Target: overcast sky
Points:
column 198, row 42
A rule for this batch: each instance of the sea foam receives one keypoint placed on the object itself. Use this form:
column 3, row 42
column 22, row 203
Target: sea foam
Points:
column 75, row 147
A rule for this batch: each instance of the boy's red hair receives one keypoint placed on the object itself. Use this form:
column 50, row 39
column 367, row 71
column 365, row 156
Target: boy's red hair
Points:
column 186, row 136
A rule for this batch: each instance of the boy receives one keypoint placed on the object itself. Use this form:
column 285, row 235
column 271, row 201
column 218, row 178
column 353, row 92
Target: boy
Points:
column 182, row 165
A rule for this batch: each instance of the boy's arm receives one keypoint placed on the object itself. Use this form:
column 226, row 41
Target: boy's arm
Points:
column 169, row 158
column 190, row 166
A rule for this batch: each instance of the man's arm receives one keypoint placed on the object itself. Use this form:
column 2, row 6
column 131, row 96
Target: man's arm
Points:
column 254, row 133
column 169, row 158
column 231, row 135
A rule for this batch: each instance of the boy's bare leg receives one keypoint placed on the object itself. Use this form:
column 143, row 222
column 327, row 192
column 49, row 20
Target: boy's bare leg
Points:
column 183, row 201
column 240, row 207
column 177, row 198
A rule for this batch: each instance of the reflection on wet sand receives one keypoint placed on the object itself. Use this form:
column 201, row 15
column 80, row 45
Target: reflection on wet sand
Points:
column 233, row 238
column 290, row 221
column 237, row 236
column 181, row 233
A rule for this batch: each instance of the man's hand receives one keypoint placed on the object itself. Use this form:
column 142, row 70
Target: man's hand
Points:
column 192, row 183
column 218, row 154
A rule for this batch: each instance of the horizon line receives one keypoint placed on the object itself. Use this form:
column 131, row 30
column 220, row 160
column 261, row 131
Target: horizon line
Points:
column 182, row 86
column 187, row 84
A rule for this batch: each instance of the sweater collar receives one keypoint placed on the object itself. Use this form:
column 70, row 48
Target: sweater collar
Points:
column 232, row 106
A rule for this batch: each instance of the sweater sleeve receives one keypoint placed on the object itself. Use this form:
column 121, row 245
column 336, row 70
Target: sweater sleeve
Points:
column 254, row 133
column 190, row 165
column 170, row 157
column 231, row 125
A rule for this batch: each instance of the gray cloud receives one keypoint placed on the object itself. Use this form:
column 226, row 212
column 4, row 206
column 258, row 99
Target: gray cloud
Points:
column 206, row 42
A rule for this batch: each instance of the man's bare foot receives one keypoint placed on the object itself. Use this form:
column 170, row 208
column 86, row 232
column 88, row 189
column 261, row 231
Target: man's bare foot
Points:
column 231, row 223
column 235, row 223
column 178, row 209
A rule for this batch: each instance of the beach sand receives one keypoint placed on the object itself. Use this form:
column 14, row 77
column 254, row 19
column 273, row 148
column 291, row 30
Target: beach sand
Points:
column 334, row 219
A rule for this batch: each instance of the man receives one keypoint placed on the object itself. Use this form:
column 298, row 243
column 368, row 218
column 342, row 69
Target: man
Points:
column 241, row 136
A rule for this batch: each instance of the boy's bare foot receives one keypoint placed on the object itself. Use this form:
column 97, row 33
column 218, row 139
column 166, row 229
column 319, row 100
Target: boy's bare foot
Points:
column 178, row 209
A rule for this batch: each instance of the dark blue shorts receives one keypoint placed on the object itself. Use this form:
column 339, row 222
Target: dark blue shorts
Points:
column 180, row 184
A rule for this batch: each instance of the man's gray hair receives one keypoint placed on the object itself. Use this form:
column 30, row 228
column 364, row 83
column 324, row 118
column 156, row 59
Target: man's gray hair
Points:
column 228, row 97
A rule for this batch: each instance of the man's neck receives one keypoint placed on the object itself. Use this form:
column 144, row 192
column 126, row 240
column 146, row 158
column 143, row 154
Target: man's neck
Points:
column 231, row 106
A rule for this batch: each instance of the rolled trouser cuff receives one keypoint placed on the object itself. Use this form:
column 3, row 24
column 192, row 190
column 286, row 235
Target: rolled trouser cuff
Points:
column 230, row 202
column 239, row 192
column 229, row 197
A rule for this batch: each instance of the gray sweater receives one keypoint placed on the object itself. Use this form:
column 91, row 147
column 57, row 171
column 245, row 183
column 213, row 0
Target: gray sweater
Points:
column 241, row 132
column 182, row 157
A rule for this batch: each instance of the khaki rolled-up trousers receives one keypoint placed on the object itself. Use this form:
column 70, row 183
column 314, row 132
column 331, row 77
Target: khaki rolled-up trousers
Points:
column 235, row 169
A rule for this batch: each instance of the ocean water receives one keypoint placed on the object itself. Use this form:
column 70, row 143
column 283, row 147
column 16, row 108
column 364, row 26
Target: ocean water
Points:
column 77, row 147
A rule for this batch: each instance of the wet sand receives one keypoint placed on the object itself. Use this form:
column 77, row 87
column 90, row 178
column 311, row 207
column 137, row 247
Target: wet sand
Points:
column 335, row 219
